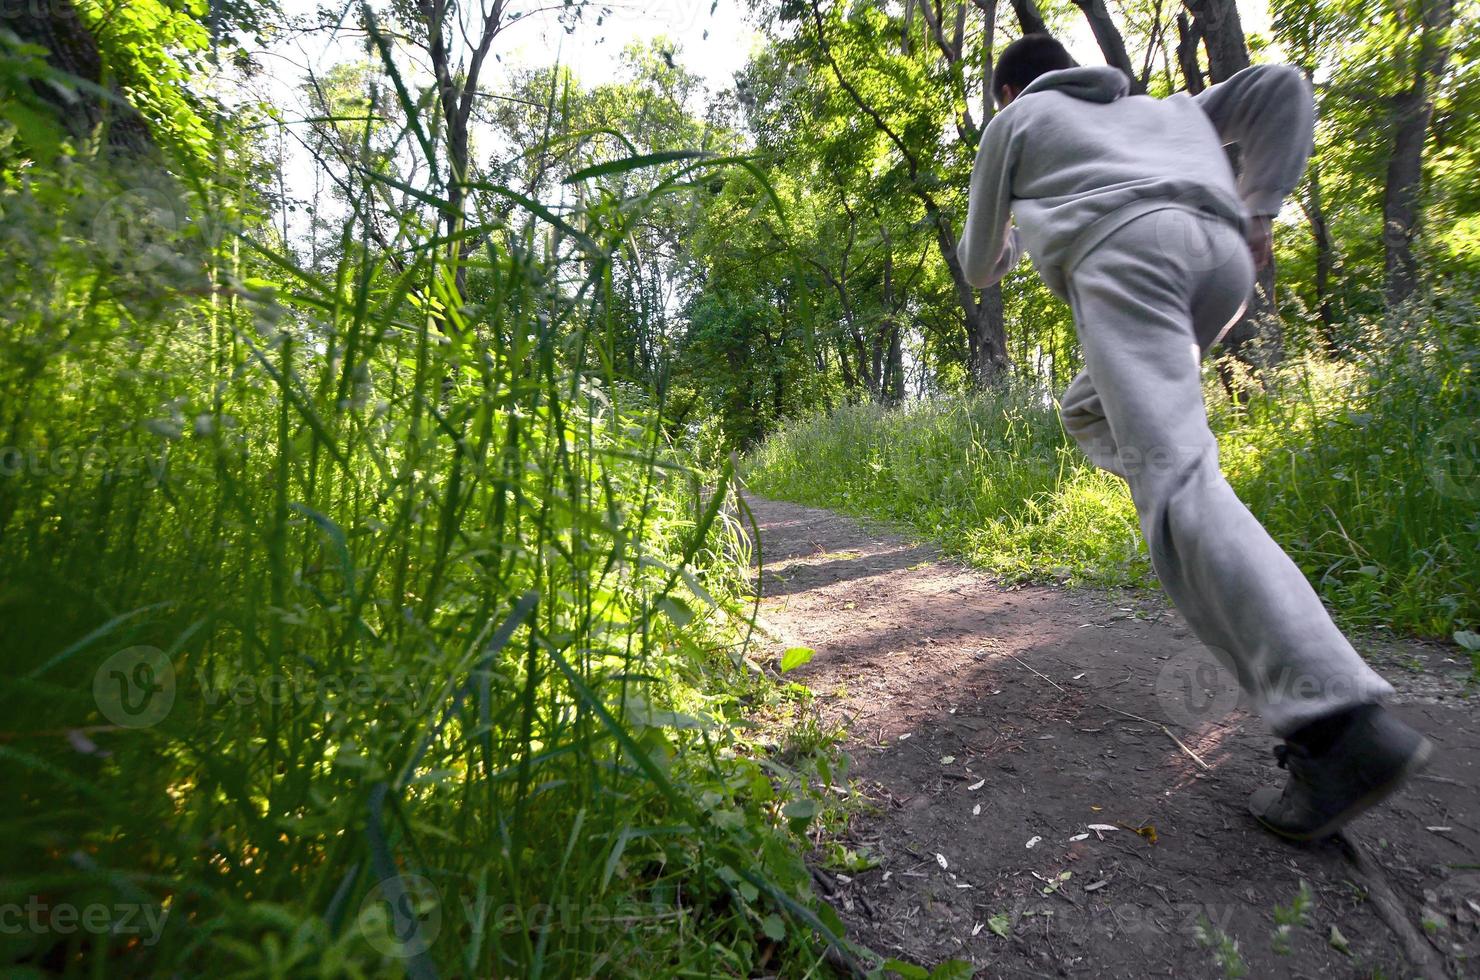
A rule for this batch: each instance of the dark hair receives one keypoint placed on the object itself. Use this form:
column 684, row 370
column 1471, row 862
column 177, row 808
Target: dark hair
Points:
column 1025, row 59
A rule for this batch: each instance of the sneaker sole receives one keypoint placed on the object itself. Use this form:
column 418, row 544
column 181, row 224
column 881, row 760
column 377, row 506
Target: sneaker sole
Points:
column 1416, row 763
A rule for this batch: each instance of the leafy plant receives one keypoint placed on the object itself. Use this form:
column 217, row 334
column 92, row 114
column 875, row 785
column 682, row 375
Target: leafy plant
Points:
column 1225, row 949
column 1288, row 917
column 447, row 635
column 1351, row 469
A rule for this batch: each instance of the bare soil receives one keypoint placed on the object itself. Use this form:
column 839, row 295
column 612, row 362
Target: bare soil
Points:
column 989, row 726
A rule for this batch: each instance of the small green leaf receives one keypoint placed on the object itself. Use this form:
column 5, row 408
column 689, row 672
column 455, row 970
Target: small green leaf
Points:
column 907, row 970
column 676, row 610
column 634, row 163
column 953, row 970
column 796, row 657
column 799, row 813
column 831, row 919
column 1000, row 924
column 38, row 129
column 773, row 927
column 1468, row 639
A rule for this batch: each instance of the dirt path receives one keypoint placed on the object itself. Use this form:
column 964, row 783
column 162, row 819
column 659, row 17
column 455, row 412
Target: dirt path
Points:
column 991, row 726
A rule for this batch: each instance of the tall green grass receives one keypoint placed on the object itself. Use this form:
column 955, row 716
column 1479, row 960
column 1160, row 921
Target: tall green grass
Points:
column 1365, row 470
column 354, row 629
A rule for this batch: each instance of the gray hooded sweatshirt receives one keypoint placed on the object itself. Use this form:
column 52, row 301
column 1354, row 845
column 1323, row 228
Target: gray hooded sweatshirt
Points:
column 1074, row 157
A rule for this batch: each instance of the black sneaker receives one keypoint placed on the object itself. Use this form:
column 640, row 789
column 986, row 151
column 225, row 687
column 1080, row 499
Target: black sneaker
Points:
column 1363, row 764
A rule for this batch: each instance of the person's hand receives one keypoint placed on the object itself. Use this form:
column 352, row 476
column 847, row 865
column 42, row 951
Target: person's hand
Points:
column 1260, row 239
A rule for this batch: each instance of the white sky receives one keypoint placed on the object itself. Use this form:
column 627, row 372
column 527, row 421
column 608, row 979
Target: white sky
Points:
column 713, row 45
column 713, row 37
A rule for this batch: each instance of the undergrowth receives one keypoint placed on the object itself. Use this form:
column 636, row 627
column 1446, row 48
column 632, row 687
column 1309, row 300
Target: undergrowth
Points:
column 357, row 622
column 1364, row 469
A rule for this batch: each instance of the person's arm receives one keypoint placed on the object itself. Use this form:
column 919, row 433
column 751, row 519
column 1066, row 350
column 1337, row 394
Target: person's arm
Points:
column 989, row 247
column 1268, row 111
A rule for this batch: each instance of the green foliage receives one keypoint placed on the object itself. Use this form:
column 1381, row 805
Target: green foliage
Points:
column 359, row 627
column 1226, row 955
column 949, row 970
column 1363, row 472
column 1288, row 917
column 154, row 49
column 796, row 657
column 991, row 476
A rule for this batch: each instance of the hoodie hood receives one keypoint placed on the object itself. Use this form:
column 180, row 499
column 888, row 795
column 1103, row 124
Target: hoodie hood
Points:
column 1095, row 83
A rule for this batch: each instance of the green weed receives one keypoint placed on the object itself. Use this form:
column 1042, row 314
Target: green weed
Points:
column 1225, row 949
column 1288, row 917
column 1363, row 470
column 354, row 626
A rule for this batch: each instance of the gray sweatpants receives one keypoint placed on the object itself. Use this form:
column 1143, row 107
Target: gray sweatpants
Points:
column 1148, row 301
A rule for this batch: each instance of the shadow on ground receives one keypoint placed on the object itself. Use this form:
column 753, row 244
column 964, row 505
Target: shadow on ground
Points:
column 991, row 728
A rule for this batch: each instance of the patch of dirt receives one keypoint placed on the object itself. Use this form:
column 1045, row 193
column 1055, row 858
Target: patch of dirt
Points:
column 991, row 725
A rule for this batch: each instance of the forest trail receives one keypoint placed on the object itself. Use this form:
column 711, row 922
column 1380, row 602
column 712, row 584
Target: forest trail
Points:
column 990, row 725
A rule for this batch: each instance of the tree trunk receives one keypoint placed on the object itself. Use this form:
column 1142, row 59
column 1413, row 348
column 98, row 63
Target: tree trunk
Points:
column 1028, row 17
column 1412, row 112
column 850, row 381
column 457, row 87
column 1257, row 338
column 71, row 48
column 1223, row 34
column 1109, row 38
column 1189, row 36
column 988, row 337
column 1315, row 213
column 888, row 341
column 986, row 331
column 894, row 365
column 982, row 309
